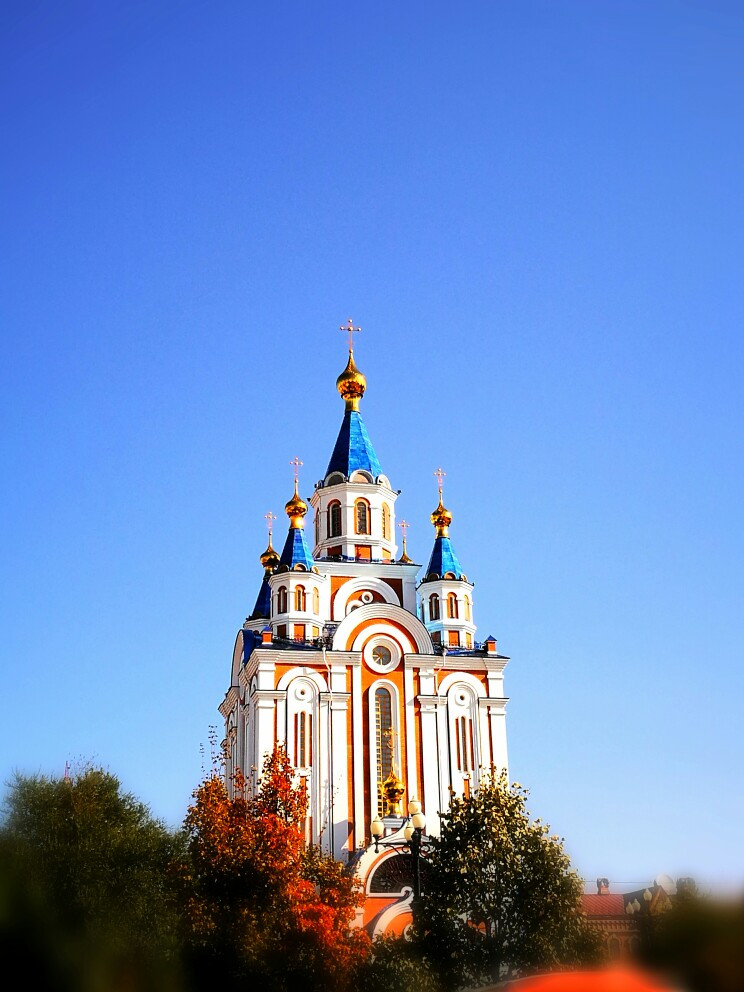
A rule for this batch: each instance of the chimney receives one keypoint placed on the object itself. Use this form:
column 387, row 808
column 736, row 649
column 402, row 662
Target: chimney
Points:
column 603, row 886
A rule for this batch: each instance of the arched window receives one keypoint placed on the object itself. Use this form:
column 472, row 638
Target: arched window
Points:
column 385, row 522
column 316, row 602
column 362, row 516
column 334, row 519
column 317, row 527
column 300, row 599
column 383, row 741
column 433, row 606
column 303, row 739
column 465, row 759
column 468, row 613
column 281, row 600
column 452, row 605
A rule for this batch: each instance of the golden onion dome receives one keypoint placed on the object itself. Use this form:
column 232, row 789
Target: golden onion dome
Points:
column 351, row 384
column 296, row 509
column 270, row 558
column 441, row 518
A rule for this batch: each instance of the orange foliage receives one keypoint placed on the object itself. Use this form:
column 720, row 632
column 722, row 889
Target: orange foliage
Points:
column 260, row 903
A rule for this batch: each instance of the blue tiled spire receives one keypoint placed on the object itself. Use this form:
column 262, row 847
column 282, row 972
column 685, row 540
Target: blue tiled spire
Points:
column 443, row 559
column 295, row 550
column 353, row 449
column 263, row 600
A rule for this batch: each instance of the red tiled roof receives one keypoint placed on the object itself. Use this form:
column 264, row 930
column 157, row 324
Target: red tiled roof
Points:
column 609, row 904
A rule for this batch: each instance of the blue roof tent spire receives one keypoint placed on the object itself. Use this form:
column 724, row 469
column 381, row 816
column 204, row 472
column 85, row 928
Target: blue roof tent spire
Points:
column 443, row 561
column 353, row 449
column 295, row 551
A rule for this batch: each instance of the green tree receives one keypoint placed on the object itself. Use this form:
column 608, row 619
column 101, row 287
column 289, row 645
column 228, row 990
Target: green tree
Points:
column 87, row 886
column 500, row 898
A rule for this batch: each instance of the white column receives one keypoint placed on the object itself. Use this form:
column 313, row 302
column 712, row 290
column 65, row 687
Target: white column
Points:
column 498, row 735
column 445, row 774
column 323, row 813
column 265, row 710
column 409, row 711
column 359, row 813
column 429, row 756
column 339, row 783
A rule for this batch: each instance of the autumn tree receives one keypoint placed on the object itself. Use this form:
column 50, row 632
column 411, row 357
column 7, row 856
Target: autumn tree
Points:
column 261, row 906
column 87, row 888
column 501, row 898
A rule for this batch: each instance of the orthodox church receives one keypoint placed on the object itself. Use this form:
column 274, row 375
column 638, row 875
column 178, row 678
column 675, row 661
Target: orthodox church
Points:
column 366, row 667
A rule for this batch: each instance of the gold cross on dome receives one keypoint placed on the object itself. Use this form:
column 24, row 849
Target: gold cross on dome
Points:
column 270, row 518
column 440, row 475
column 297, row 465
column 351, row 331
column 404, row 525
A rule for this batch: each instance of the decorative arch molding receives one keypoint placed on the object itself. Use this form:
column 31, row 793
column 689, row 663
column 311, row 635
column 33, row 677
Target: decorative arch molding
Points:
column 383, row 922
column 348, row 590
column 306, row 673
column 352, row 625
column 465, row 678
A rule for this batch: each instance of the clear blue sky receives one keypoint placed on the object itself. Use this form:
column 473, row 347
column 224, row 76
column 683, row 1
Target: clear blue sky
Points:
column 534, row 210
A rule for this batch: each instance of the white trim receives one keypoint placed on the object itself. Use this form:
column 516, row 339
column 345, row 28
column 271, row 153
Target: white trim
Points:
column 383, row 611
column 354, row 586
column 307, row 673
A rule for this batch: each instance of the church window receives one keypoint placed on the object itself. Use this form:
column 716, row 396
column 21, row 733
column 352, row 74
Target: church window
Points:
column 452, row 610
column 300, row 599
column 317, row 527
column 334, row 519
column 299, row 632
column 468, row 640
column 453, row 638
column 316, row 602
column 281, row 600
column 433, row 606
column 383, row 741
column 362, row 516
column 468, row 612
column 385, row 522
column 303, row 745
column 464, row 732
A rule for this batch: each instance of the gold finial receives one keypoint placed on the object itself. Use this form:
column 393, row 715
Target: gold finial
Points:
column 270, row 559
column 404, row 525
column 296, row 508
column 441, row 517
column 351, row 384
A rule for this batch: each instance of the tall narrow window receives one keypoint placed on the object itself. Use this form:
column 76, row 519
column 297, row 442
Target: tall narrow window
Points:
column 316, row 602
column 303, row 740
column 433, row 606
column 464, row 745
column 334, row 519
column 468, row 612
column 385, row 522
column 362, row 517
column 452, row 610
column 281, row 603
column 383, row 742
column 317, row 527
column 300, row 599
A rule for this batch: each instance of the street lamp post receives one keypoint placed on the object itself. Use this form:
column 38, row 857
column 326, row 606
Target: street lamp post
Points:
column 413, row 833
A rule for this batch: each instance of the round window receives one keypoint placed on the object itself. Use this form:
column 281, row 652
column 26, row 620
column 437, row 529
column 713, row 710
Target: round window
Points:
column 382, row 655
